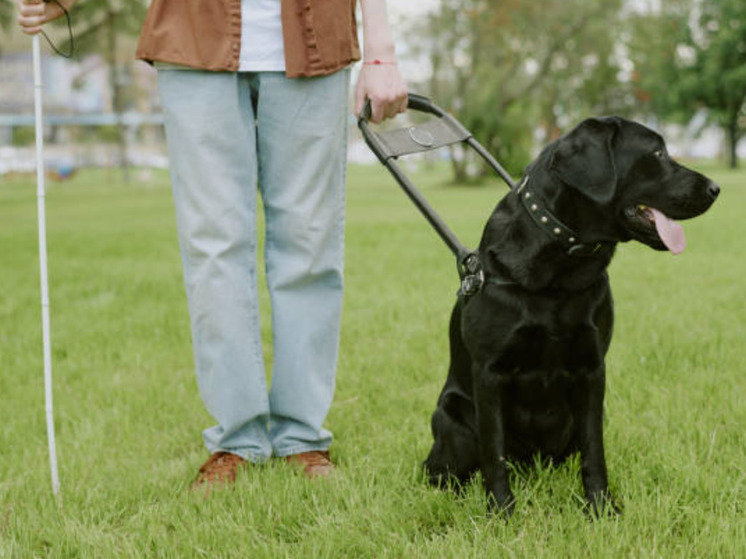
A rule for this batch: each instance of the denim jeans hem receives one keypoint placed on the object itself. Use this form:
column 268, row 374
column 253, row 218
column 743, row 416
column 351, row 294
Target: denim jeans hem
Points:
column 250, row 456
column 298, row 449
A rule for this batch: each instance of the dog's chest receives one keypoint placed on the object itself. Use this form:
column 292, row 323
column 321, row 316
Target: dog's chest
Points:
column 541, row 344
column 540, row 364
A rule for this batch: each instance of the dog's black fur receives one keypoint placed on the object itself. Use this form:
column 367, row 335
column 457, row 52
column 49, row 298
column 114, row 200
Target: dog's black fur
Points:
column 527, row 372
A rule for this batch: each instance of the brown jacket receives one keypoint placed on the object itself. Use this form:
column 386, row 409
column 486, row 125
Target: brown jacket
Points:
column 320, row 36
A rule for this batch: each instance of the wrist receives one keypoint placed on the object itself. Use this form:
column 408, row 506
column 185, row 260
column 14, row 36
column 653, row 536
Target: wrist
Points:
column 379, row 46
column 379, row 62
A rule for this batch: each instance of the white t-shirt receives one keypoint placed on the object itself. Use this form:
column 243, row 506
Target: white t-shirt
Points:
column 262, row 49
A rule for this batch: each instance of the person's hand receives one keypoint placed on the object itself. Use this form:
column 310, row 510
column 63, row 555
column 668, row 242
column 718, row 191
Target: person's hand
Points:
column 384, row 86
column 32, row 14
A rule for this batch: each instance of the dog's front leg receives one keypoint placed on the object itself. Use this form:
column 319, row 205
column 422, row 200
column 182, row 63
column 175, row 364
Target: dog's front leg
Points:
column 588, row 397
column 489, row 393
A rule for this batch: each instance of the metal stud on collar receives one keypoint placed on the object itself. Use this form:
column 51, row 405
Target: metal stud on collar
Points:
column 551, row 225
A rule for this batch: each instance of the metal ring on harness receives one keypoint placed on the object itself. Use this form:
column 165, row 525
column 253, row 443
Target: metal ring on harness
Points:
column 471, row 273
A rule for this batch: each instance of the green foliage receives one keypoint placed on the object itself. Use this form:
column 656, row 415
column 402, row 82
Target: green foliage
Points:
column 7, row 11
column 107, row 134
column 505, row 68
column 102, row 26
column 23, row 136
column 653, row 41
column 129, row 418
column 692, row 55
column 718, row 78
column 720, row 47
column 96, row 22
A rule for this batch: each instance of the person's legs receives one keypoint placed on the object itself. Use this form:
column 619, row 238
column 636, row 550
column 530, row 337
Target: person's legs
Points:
column 302, row 126
column 212, row 150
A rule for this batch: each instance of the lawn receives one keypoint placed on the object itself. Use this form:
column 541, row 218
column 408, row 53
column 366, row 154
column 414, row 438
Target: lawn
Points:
column 128, row 415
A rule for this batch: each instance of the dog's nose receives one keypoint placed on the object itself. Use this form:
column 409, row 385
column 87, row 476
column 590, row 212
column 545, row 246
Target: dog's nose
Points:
column 713, row 190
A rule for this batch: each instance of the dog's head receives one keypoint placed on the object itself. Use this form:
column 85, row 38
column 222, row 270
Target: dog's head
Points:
column 624, row 169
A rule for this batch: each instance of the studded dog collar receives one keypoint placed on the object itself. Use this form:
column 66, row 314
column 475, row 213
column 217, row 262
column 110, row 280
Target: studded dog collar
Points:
column 553, row 227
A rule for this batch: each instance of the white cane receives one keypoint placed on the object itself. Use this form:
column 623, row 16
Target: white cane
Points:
column 40, row 192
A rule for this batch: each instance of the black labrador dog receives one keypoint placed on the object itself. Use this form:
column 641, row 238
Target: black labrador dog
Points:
column 527, row 372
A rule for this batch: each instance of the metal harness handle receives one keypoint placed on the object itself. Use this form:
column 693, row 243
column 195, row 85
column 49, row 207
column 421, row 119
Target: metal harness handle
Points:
column 433, row 134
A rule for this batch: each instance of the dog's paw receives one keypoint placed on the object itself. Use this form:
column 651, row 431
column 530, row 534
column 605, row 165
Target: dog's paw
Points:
column 502, row 506
column 602, row 505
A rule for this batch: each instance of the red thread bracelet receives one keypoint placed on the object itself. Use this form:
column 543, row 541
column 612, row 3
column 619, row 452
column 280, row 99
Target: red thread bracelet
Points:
column 378, row 62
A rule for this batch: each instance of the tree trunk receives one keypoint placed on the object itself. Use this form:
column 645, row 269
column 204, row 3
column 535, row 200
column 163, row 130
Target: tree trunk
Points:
column 116, row 91
column 732, row 133
column 459, row 166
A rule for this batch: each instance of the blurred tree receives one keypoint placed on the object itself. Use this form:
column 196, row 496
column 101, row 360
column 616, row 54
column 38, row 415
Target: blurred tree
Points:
column 504, row 66
column 7, row 13
column 99, row 27
column 692, row 55
column 717, row 79
column 652, row 42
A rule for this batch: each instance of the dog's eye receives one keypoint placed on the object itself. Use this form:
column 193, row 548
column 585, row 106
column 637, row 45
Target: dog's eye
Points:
column 659, row 153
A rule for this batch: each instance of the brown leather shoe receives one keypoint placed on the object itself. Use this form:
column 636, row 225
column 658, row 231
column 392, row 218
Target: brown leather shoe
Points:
column 315, row 464
column 220, row 469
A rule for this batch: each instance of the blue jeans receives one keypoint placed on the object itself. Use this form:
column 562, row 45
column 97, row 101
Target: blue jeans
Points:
column 228, row 133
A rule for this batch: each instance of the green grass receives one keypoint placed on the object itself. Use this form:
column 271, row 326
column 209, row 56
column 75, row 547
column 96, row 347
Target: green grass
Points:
column 128, row 416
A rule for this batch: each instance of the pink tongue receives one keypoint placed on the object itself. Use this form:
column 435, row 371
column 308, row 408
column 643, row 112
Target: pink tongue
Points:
column 670, row 232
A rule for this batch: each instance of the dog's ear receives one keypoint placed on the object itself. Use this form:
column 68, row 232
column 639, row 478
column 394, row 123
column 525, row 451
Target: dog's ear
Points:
column 584, row 159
